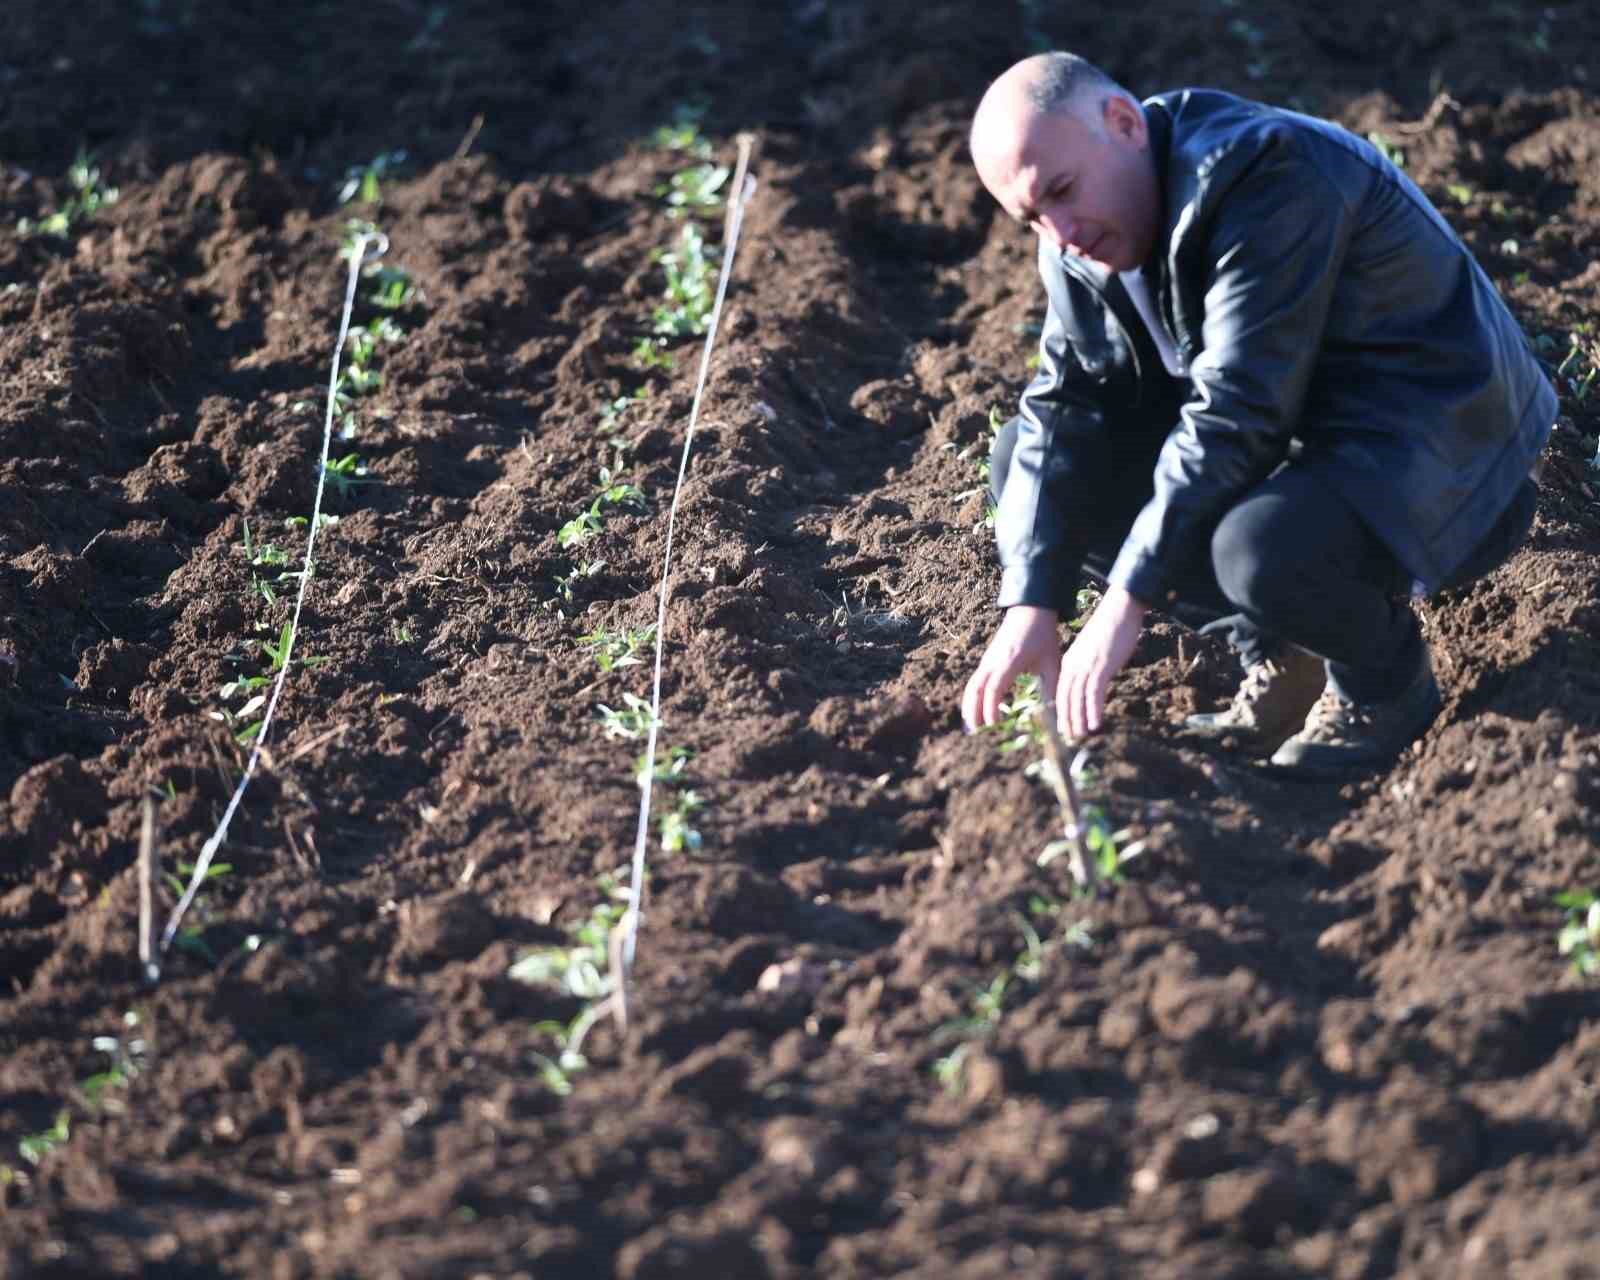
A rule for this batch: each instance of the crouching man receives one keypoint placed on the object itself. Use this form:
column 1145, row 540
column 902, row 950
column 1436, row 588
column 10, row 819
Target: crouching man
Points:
column 1276, row 395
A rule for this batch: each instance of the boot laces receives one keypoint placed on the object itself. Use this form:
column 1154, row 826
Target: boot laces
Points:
column 1335, row 718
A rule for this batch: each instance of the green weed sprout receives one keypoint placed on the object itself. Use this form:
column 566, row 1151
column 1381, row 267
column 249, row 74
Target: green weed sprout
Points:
column 621, row 648
column 695, row 189
column 631, row 720
column 127, row 1061
column 611, row 415
column 1580, row 935
column 264, row 555
column 1388, row 149
column 683, row 133
column 566, row 583
column 88, row 198
column 347, row 474
column 651, row 353
column 362, row 182
column 392, row 288
column 36, row 1146
column 690, row 287
column 1108, row 848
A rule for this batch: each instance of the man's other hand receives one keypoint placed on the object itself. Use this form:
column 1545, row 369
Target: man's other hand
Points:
column 1101, row 650
column 1028, row 640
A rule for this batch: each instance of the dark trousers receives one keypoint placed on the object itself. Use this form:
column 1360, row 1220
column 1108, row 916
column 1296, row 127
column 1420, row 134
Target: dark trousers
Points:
column 1290, row 562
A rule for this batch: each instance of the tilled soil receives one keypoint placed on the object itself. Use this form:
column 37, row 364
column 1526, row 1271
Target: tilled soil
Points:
column 1318, row 1031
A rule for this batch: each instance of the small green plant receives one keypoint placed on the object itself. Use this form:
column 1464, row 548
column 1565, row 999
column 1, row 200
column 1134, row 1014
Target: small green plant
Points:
column 651, row 353
column 1580, row 934
column 88, row 198
column 264, row 556
column 1109, row 849
column 690, row 292
column 679, row 803
column 363, row 182
column 347, row 474
column 619, row 648
column 556, row 1073
column 392, row 288
column 1387, row 149
column 683, row 133
column 677, row 835
column 566, row 583
column 587, row 523
column 611, row 415
column 583, row 526
column 356, row 232
column 695, row 189
column 631, row 720
column 127, row 1055
column 36, row 1146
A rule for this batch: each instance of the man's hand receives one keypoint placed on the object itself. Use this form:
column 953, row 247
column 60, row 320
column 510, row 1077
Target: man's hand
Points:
column 1101, row 650
column 1027, row 640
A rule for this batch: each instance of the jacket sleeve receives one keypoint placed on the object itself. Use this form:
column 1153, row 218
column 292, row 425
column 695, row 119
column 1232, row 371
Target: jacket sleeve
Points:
column 1060, row 446
column 1271, row 260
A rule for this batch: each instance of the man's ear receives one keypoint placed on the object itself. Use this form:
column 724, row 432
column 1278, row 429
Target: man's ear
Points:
column 1124, row 120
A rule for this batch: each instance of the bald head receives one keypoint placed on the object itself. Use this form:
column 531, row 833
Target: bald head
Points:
column 1046, row 84
column 1065, row 150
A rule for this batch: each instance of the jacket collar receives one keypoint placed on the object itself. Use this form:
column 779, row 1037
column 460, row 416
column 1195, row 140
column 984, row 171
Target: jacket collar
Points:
column 1158, row 123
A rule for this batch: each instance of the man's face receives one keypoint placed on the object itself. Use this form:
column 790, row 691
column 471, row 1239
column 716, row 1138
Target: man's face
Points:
column 1091, row 192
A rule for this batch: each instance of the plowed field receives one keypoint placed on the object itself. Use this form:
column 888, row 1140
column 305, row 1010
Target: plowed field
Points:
column 1317, row 1031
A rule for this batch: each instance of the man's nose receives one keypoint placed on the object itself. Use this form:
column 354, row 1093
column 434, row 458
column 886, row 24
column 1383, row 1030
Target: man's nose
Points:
column 1057, row 228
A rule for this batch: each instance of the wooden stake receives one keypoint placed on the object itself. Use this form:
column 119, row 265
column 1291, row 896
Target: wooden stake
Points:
column 148, row 836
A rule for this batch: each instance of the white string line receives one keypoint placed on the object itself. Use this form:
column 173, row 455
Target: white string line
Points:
column 358, row 259
column 744, row 187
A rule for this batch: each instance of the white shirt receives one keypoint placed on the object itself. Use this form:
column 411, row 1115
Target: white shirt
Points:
column 1144, row 301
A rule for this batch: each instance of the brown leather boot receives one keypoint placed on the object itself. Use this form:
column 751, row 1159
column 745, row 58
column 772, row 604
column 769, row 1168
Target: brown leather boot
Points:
column 1342, row 738
column 1271, row 703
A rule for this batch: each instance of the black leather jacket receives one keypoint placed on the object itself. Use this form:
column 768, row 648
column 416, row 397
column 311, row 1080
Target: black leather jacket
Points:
column 1314, row 294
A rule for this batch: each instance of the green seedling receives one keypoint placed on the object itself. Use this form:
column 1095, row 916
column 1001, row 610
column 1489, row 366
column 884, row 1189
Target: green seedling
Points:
column 683, row 133
column 631, row 720
column 556, row 1073
column 265, row 555
column 1386, row 148
column 618, row 493
column 611, row 415
column 392, row 288
column 127, row 1061
column 987, row 1006
column 580, row 970
column 347, row 474
column 363, row 183
column 583, row 526
column 691, row 281
column 694, row 190
column 355, row 230
column 88, row 198
column 651, row 353
column 613, row 493
column 566, row 583
column 1580, row 934
column 279, row 653
column 983, row 451
column 677, row 835
column 621, row 648
column 35, row 1147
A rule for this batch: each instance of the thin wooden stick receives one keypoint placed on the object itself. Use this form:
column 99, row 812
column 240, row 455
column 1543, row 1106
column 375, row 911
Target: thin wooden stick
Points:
column 148, row 836
column 1059, row 775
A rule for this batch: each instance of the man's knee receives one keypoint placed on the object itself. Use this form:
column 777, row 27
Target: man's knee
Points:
column 1255, row 565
